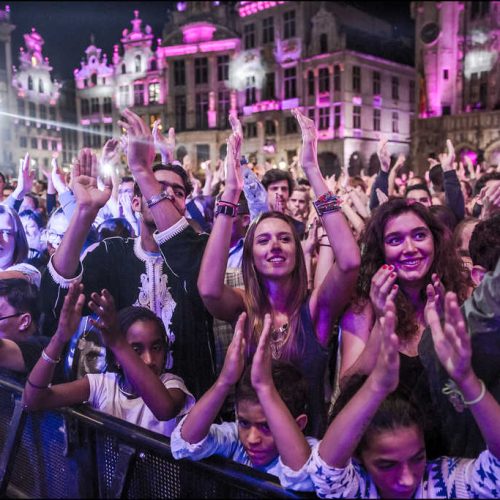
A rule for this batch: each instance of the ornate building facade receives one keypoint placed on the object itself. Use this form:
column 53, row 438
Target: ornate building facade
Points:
column 457, row 59
column 259, row 59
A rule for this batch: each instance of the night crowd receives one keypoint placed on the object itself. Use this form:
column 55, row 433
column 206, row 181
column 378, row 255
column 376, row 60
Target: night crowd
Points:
column 339, row 333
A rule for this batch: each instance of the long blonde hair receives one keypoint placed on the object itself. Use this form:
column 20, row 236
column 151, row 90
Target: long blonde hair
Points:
column 257, row 302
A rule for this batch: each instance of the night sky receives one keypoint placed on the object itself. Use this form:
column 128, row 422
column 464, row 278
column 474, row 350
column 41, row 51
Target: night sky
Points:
column 67, row 26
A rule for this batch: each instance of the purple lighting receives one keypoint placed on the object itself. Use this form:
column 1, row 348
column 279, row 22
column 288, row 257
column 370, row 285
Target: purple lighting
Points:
column 198, row 32
column 249, row 8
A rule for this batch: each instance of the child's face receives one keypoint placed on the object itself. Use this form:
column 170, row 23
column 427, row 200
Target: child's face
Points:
column 254, row 433
column 396, row 461
column 146, row 340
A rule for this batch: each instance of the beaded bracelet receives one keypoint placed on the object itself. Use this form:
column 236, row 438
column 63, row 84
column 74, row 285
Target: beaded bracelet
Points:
column 50, row 360
column 226, row 208
column 327, row 203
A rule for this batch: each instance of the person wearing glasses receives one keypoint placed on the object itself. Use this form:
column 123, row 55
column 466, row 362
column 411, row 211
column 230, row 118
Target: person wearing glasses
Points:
column 157, row 270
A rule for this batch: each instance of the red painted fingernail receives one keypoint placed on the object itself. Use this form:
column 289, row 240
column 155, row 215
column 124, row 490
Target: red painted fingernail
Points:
column 384, row 266
column 394, row 287
column 393, row 275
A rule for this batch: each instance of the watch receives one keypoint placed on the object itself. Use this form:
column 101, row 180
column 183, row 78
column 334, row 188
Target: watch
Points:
column 159, row 197
column 225, row 209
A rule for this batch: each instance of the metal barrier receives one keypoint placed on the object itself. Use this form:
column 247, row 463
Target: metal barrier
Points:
column 81, row 453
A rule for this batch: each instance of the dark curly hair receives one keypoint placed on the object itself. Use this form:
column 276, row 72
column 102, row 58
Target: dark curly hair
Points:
column 484, row 244
column 447, row 264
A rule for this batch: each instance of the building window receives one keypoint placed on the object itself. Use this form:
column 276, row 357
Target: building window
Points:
column 94, row 105
column 250, row 91
column 224, row 107
column 32, row 109
column 323, row 43
column 93, row 79
column 179, row 73
column 336, row 78
column 23, row 142
column 395, row 122
column 268, row 30
column 96, row 136
column 180, row 113
column 123, row 95
column 290, row 125
column 324, row 119
column 376, row 83
column 154, row 92
column 40, row 86
column 289, row 24
column 395, row 87
column 86, row 139
column 310, row 83
column 356, row 79
column 412, row 95
column 249, row 36
column 43, row 111
column 54, row 145
column 337, row 116
column 324, row 80
column 202, row 110
column 269, row 92
column 138, row 94
column 200, row 70
column 34, row 143
column 108, row 130
column 124, row 69
column 45, row 144
column 85, row 107
column 311, row 113
column 106, row 106
column 356, row 117
column 21, row 108
column 138, row 64
column 222, row 68
column 202, row 153
column 270, row 127
column 30, row 83
column 290, row 83
column 376, row 120
column 250, row 130
column 445, row 74
column 52, row 113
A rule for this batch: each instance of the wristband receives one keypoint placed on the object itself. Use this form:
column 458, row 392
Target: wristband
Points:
column 327, row 203
column 50, row 360
column 226, row 208
column 159, row 197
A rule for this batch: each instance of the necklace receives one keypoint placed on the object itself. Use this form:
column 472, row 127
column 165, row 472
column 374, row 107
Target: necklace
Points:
column 278, row 340
column 121, row 384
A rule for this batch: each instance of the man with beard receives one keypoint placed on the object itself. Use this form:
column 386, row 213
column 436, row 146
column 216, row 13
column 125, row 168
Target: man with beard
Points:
column 157, row 270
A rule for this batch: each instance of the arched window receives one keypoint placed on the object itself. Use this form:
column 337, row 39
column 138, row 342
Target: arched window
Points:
column 323, row 43
column 30, row 83
column 138, row 64
column 93, row 79
column 152, row 65
column 124, row 69
column 40, row 86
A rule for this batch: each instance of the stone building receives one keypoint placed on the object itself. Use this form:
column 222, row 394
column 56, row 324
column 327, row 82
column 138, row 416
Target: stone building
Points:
column 259, row 59
column 457, row 50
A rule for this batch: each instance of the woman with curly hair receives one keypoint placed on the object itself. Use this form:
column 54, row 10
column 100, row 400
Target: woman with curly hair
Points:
column 404, row 256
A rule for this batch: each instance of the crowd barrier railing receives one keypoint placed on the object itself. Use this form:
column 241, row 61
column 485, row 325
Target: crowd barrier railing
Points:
column 80, row 453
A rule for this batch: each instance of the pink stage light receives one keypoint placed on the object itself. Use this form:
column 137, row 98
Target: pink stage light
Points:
column 219, row 45
column 85, row 121
column 177, row 50
column 212, row 119
column 107, row 119
column 290, row 103
column 248, row 8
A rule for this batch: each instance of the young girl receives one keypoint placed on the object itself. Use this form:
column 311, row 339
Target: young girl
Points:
column 275, row 276
column 139, row 393
column 374, row 448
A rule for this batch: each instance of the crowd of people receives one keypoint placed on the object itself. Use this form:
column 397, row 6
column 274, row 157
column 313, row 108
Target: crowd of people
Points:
column 341, row 333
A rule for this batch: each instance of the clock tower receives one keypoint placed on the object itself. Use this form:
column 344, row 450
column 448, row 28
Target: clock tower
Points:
column 439, row 50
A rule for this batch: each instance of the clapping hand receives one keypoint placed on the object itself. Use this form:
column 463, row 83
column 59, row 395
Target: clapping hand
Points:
column 25, row 178
column 234, row 362
column 107, row 323
column 164, row 144
column 71, row 312
column 383, row 155
column 261, row 373
column 383, row 289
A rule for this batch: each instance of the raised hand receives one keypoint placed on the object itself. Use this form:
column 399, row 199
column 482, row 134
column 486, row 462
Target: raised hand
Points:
column 383, row 289
column 432, row 162
column 234, row 363
column 164, row 144
column 58, row 177
column 381, row 196
column 140, row 149
column 385, row 375
column 447, row 159
column 452, row 343
column 110, row 152
column 234, row 174
column 279, row 204
column 309, row 150
column 490, row 198
column 261, row 373
column 383, row 155
column 104, row 306
column 25, row 178
column 236, row 125
column 71, row 312
column 84, row 186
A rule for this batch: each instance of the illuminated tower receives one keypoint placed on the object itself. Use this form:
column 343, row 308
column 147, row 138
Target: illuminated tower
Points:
column 7, row 100
column 457, row 60
column 37, row 101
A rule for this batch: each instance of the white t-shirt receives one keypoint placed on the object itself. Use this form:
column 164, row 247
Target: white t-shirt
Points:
column 106, row 396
